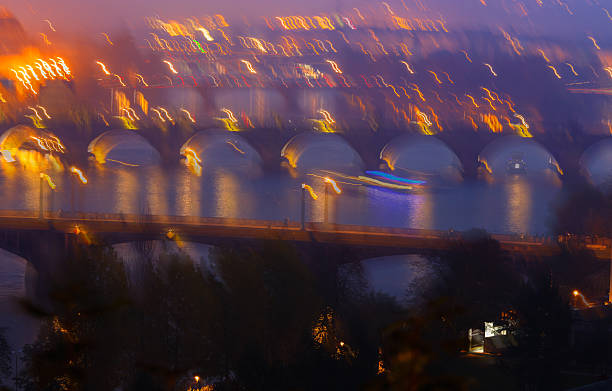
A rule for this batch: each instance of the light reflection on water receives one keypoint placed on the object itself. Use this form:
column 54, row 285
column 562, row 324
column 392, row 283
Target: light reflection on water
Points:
column 517, row 205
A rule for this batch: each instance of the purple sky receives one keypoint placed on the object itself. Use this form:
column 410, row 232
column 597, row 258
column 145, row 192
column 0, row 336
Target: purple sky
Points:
column 105, row 15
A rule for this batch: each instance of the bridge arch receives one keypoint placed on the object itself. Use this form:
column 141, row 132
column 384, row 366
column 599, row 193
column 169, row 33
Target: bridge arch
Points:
column 23, row 136
column 321, row 151
column 596, row 163
column 124, row 147
column 218, row 148
column 423, row 156
column 517, row 155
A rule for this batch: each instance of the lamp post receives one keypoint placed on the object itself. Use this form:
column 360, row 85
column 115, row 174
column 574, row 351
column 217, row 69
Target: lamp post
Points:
column 44, row 178
column 329, row 182
column 78, row 175
column 306, row 188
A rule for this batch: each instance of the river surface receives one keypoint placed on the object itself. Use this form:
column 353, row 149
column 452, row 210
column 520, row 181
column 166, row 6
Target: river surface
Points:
column 515, row 205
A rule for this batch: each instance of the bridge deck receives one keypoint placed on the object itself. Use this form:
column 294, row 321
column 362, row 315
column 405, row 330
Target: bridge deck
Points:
column 217, row 227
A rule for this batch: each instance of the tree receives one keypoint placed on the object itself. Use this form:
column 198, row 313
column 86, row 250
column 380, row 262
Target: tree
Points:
column 5, row 357
column 478, row 281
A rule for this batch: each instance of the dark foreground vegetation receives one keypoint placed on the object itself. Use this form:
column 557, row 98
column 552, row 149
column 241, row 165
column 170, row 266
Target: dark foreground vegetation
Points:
column 267, row 317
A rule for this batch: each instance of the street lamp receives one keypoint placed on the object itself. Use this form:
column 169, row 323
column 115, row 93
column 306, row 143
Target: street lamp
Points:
column 306, row 188
column 78, row 175
column 44, row 178
column 337, row 190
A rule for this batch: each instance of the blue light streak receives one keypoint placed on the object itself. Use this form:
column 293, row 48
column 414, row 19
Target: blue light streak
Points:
column 395, row 178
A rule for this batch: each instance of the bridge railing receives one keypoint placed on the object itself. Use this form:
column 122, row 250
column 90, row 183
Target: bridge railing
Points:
column 176, row 221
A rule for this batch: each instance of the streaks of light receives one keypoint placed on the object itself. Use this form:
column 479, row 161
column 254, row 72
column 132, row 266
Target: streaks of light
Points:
column 572, row 68
column 555, row 72
column 235, row 147
column 171, row 66
column 193, row 160
column 594, row 42
column 103, row 67
column 328, row 118
column 45, row 39
column 79, row 174
column 408, row 67
column 161, row 118
column 141, row 79
column 416, row 89
column 491, row 69
column 120, row 79
column 544, row 55
column 188, row 114
column 166, row 114
column 48, row 179
column 107, row 38
column 334, row 66
column 467, row 57
column 473, row 100
column 435, row 76
column 248, row 65
column 44, row 111
column 230, row 115
column 333, row 184
column 490, row 103
column 609, row 70
column 310, row 191
column 449, row 78
column 50, row 24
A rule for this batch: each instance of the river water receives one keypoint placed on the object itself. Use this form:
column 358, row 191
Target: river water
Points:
column 515, row 205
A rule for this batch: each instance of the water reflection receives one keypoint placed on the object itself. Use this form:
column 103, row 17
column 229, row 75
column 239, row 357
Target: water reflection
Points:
column 518, row 213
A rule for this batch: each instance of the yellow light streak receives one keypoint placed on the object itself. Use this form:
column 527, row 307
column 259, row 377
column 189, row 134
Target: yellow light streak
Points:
column 334, row 66
column 171, row 66
column 544, row 55
column 555, row 72
column 594, row 42
column 473, row 100
column 435, row 76
column 235, row 147
column 162, row 119
column 248, row 65
column 189, row 116
column 310, row 191
column 328, row 118
column 50, row 24
column 142, row 80
column 44, row 111
column 79, row 174
column 408, row 67
column 107, row 38
column 103, row 68
column 166, row 114
column 334, row 185
column 491, row 69
column 230, row 115
column 572, row 68
column 48, row 179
